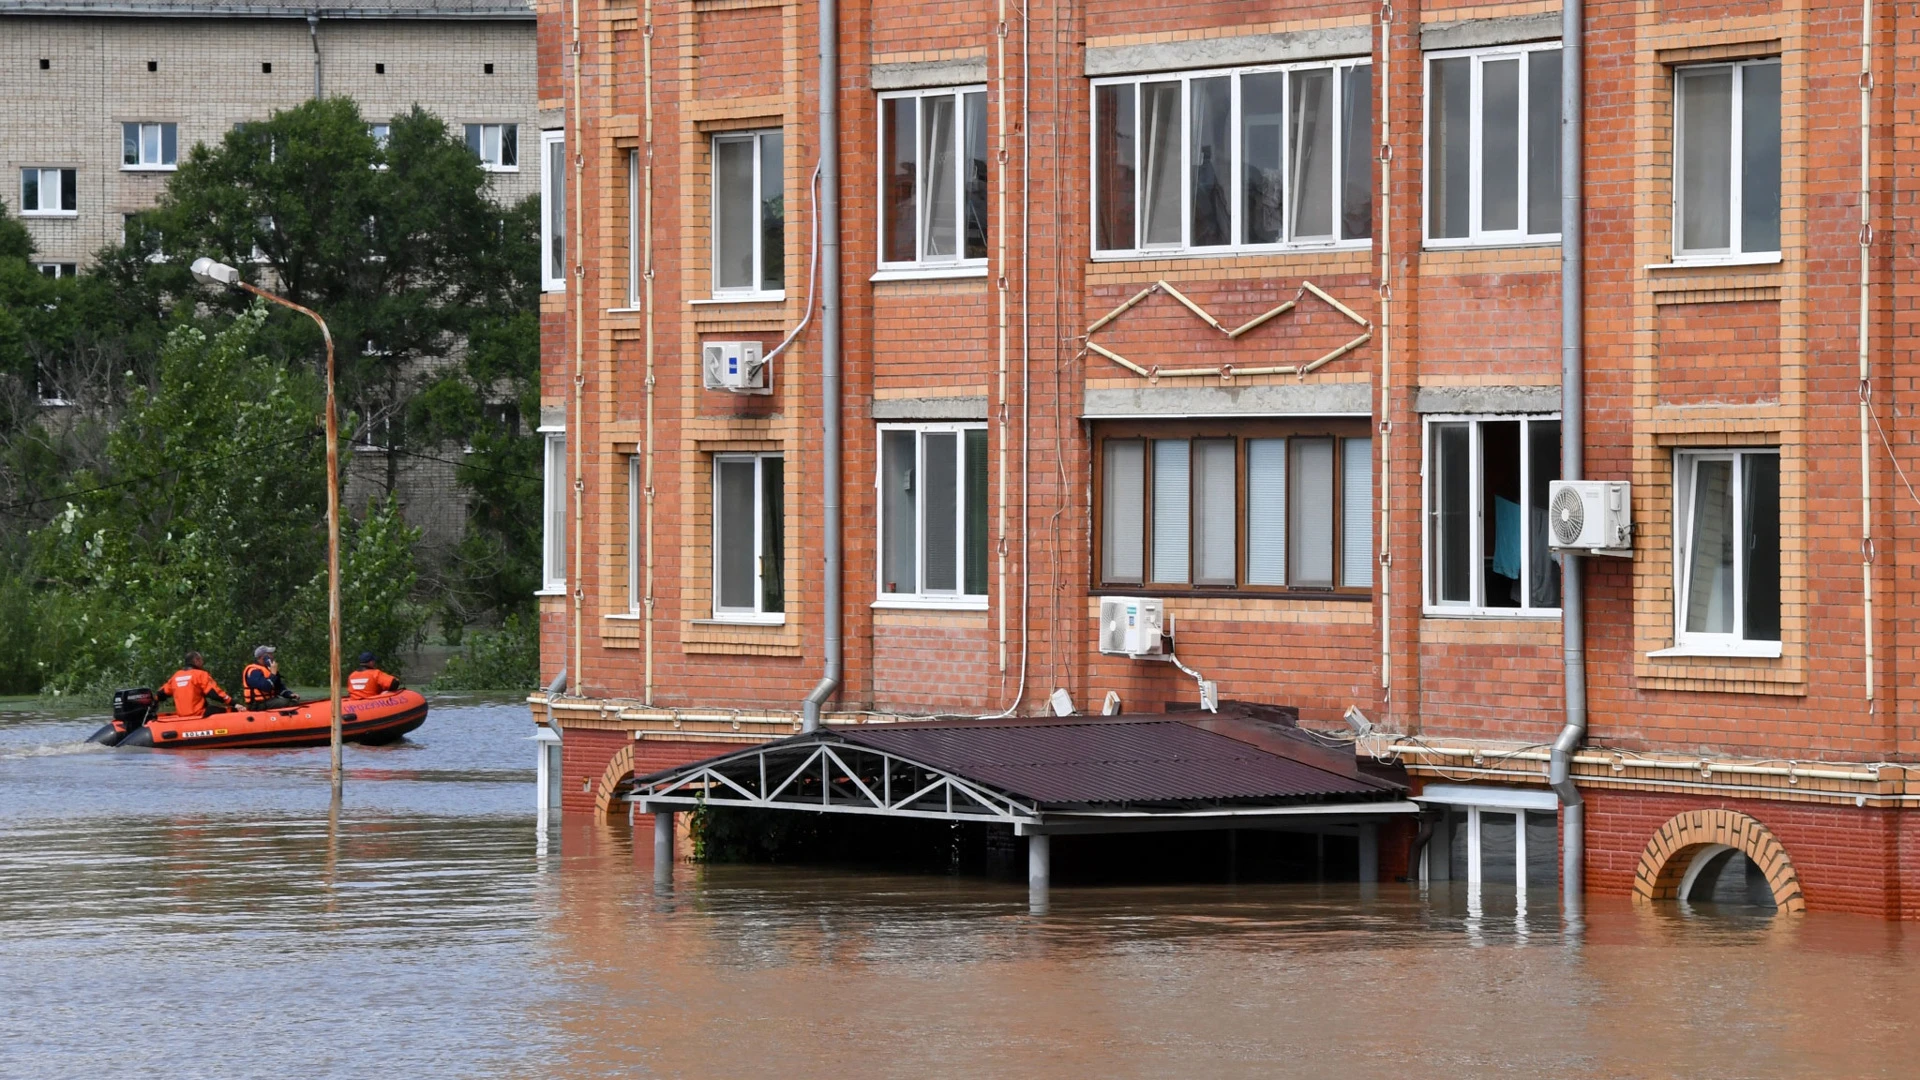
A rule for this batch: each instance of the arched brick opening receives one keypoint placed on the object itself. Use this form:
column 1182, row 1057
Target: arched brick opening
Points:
column 618, row 770
column 1664, row 863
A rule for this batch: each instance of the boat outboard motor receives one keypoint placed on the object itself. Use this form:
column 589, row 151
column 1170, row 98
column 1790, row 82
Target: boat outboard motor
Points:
column 131, row 711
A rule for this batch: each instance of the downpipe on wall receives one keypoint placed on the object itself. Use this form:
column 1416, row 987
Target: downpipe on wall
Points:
column 1573, row 647
column 830, row 447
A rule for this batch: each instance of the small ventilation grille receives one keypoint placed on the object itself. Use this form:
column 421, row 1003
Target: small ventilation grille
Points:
column 1569, row 516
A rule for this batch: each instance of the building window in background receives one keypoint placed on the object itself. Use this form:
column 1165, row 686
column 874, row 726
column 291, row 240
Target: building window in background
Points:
column 933, row 178
column 1727, row 160
column 1727, row 551
column 149, row 146
column 553, row 211
column 749, row 530
column 1487, row 480
column 496, row 145
column 1493, row 139
column 749, row 215
column 933, row 513
column 49, row 192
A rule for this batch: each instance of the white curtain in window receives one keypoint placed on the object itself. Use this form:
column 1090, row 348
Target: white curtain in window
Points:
column 939, row 208
column 1213, row 511
column 1356, row 513
column 1312, row 512
column 1123, row 525
column 1171, row 506
column 1266, row 511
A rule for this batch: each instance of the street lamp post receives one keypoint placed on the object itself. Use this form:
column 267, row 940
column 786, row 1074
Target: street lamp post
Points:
column 209, row 272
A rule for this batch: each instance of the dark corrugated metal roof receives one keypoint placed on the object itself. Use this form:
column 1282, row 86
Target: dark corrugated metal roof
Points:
column 277, row 9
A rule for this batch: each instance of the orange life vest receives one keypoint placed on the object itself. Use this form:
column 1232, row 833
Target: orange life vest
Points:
column 248, row 693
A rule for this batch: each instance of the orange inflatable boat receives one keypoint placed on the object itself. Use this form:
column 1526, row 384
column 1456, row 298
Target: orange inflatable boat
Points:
column 136, row 722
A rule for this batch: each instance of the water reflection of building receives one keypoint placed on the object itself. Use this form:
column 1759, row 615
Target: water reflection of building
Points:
column 1326, row 445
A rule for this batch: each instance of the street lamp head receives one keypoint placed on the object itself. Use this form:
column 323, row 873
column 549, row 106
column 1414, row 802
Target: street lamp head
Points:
column 208, row 272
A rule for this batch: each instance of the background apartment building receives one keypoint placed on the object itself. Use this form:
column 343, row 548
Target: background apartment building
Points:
column 1258, row 313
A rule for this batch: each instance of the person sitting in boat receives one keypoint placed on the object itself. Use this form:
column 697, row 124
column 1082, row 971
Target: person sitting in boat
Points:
column 191, row 686
column 370, row 681
column 261, row 686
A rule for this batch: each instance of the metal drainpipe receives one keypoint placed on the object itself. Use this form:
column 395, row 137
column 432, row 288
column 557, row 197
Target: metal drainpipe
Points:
column 313, row 32
column 829, row 357
column 1573, row 648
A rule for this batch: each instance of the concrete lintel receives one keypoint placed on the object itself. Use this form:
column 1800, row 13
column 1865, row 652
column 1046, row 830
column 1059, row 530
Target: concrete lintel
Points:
column 923, row 73
column 1486, row 399
column 1480, row 33
column 1335, row 41
column 930, row 408
column 1272, row 399
column 554, row 417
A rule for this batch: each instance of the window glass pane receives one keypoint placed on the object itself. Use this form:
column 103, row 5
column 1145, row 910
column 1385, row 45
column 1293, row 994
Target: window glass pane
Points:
column 29, row 189
column 169, row 144
column 557, row 210
column 898, row 560
column 1171, row 482
column 1760, row 157
column 1262, row 188
column 1706, row 158
column 773, row 531
column 1161, row 183
column 1312, row 512
column 1356, row 152
column 733, row 213
column 1497, row 847
column 1123, row 487
column 1449, row 135
column 773, row 213
column 1709, row 608
column 1543, row 468
column 1310, row 145
column 1113, row 152
column 1266, row 511
column 733, row 546
column 939, row 225
column 1356, row 513
column 1451, row 510
column 1214, row 520
column 1500, row 145
column 510, row 144
column 149, row 144
column 940, row 463
column 1760, row 532
column 69, row 190
column 556, row 545
column 1211, row 159
column 1543, row 850
column 898, row 212
column 976, row 579
column 130, row 142
column 1500, row 540
column 1543, row 141
column 976, row 179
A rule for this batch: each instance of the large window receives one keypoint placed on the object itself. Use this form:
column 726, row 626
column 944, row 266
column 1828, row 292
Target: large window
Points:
column 554, row 542
column 49, row 192
column 496, row 145
column 1285, row 508
column 1513, row 842
column 149, row 146
column 1493, row 146
column 749, row 529
column 933, row 177
column 553, row 211
column 1727, row 160
column 1256, row 158
column 636, row 246
column 636, row 550
column 1727, row 550
column 1486, row 481
column 749, row 215
column 933, row 513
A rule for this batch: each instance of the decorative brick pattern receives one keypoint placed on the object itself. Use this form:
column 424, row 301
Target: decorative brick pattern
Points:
column 1668, row 855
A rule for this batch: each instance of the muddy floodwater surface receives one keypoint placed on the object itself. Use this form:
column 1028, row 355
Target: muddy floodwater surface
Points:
column 210, row 914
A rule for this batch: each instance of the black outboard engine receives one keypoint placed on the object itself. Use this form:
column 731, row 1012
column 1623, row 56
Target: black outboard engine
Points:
column 131, row 711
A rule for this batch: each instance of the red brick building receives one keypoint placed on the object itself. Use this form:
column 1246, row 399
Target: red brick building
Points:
column 1256, row 310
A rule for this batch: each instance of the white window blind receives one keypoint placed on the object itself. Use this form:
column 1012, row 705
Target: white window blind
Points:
column 1171, row 486
column 1312, row 512
column 1267, row 511
column 1122, row 528
column 1356, row 508
column 1213, row 511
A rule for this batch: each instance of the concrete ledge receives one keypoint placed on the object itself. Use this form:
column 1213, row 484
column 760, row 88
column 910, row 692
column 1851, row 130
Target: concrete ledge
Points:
column 1230, row 51
column 1275, row 399
column 1486, row 399
column 1479, row 33
column 930, row 408
column 553, row 416
column 912, row 76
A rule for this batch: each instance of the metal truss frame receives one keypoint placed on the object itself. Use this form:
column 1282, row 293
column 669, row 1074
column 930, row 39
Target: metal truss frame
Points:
column 1226, row 372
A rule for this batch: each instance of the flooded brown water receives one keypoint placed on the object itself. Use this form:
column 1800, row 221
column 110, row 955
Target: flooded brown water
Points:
column 172, row 915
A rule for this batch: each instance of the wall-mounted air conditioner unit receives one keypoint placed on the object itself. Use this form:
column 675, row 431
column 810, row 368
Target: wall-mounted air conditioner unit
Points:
column 1591, row 516
column 1134, row 626
column 734, row 366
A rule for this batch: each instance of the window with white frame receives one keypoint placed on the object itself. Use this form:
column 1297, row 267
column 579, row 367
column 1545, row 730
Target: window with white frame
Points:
column 1516, row 846
column 749, row 215
column 381, row 133
column 933, row 513
column 57, row 269
column 49, row 192
column 749, row 531
column 1727, row 549
column 496, row 145
column 1486, row 484
column 553, row 211
column 149, row 146
column 1256, row 158
column 636, row 242
column 636, row 511
column 1493, row 145
column 1726, row 157
column 554, row 541
column 933, row 177
column 1273, row 508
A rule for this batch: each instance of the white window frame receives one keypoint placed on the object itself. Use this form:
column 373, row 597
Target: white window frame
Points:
column 1476, row 608
column 636, row 242
column 553, row 549
column 58, row 173
column 553, row 189
column 744, row 615
column 958, row 264
column 1477, row 236
column 500, row 140
column 59, row 269
column 636, row 508
column 1474, row 802
column 1685, row 642
column 380, row 132
column 754, row 291
column 920, row 596
column 1732, row 253
column 1236, row 199
column 158, row 164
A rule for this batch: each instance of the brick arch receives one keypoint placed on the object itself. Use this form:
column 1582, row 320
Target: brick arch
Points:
column 618, row 770
column 1664, row 862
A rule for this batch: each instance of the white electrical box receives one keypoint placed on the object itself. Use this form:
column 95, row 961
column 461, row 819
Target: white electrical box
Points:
column 1591, row 516
column 1133, row 626
column 734, row 366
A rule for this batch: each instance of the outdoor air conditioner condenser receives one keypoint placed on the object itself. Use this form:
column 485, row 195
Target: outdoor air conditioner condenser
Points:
column 1591, row 516
column 734, row 366
column 1133, row 626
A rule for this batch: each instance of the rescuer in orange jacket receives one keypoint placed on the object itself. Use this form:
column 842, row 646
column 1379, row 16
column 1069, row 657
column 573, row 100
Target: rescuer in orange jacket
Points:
column 190, row 687
column 260, row 683
column 370, row 681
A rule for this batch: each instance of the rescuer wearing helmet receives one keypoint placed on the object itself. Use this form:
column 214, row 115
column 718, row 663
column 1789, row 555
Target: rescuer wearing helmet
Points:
column 370, row 681
column 261, row 685
column 190, row 687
